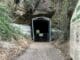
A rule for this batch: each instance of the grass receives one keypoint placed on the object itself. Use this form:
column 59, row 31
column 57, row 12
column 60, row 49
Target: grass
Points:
column 7, row 32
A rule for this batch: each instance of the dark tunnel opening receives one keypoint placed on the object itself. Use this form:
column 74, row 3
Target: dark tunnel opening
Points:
column 41, row 30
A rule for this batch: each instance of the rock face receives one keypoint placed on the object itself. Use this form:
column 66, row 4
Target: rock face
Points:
column 75, row 34
column 27, row 7
column 44, row 7
column 62, row 16
column 24, row 9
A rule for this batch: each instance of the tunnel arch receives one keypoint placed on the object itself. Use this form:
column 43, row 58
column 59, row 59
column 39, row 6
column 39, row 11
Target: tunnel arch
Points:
column 41, row 29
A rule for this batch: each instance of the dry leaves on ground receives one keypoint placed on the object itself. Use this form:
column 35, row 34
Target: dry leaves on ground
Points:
column 9, row 50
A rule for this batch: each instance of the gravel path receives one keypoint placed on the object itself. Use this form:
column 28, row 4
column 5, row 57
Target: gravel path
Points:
column 41, row 51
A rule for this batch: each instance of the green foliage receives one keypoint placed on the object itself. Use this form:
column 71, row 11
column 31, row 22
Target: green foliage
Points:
column 7, row 32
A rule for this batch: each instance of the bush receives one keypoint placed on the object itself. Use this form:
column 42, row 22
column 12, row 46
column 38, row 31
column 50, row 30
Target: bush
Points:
column 7, row 32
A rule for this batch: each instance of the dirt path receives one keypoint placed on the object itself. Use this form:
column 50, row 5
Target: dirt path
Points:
column 41, row 51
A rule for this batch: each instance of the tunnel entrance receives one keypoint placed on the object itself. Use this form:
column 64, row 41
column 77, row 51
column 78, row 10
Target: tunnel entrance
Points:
column 41, row 29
